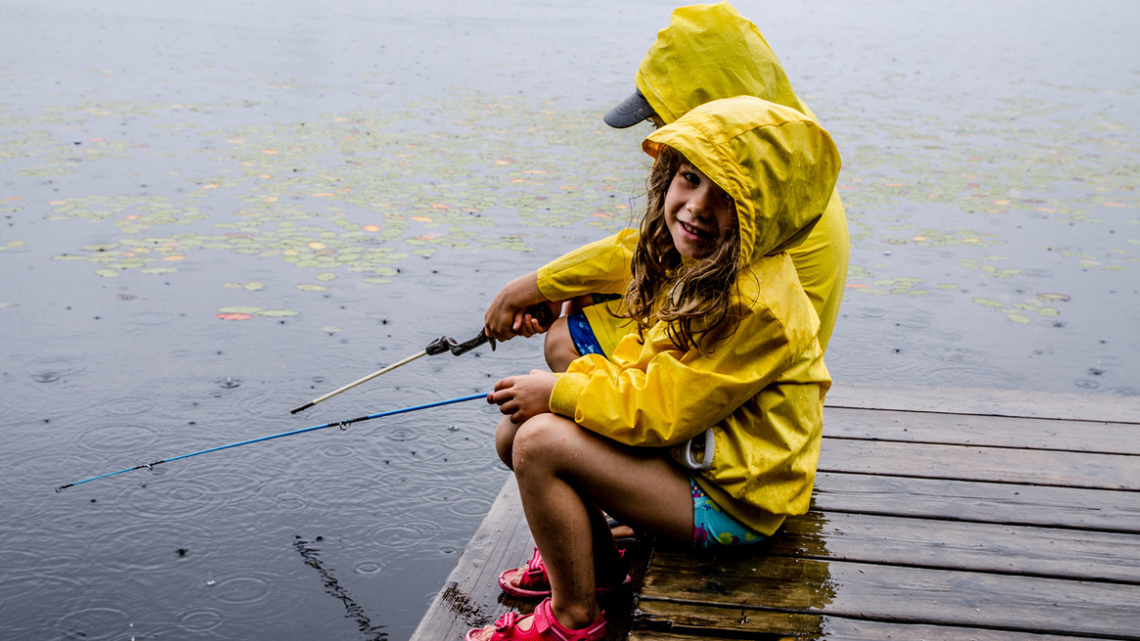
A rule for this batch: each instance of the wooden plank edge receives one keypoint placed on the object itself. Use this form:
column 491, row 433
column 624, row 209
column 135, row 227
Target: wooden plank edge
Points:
column 726, row 621
column 823, row 627
column 465, row 600
column 989, row 402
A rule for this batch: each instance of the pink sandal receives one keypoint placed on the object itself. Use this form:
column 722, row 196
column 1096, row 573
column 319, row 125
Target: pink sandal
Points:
column 532, row 582
column 544, row 628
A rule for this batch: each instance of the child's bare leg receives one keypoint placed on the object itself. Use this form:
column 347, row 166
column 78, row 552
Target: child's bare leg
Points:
column 558, row 346
column 504, row 440
column 563, row 471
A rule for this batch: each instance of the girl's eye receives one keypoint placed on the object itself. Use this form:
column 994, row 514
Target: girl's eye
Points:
column 691, row 178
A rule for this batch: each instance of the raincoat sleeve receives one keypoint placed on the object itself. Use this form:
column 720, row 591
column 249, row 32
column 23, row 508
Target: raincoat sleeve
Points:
column 654, row 395
column 600, row 267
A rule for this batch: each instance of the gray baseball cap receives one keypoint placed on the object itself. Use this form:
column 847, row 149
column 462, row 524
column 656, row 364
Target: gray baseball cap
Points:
column 631, row 111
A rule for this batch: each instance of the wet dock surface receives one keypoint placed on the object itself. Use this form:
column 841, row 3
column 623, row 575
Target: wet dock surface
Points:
column 938, row 514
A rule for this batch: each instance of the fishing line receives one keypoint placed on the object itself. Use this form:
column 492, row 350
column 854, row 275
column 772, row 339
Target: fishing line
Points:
column 340, row 424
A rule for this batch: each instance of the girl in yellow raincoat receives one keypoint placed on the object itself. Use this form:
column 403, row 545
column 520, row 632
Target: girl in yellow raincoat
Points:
column 725, row 345
column 707, row 52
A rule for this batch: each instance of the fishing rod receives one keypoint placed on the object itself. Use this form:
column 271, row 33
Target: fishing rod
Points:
column 341, row 424
column 541, row 312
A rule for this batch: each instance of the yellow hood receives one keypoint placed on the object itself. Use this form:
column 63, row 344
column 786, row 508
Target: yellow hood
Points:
column 710, row 52
column 778, row 165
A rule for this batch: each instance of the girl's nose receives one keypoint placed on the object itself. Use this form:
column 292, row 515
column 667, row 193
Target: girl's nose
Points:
column 699, row 201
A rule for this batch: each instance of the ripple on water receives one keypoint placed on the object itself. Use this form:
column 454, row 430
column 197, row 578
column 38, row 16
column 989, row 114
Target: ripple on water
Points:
column 948, row 354
column 117, row 438
column 404, row 535
column 50, row 370
column 228, row 382
column 242, row 590
column 401, row 434
column 192, row 495
column 200, row 619
column 127, row 406
column 336, row 450
column 367, row 567
column 93, row 623
column 151, row 319
column 63, row 561
column 468, row 508
column 459, row 442
column 149, row 546
column 290, row 501
column 22, row 597
column 956, row 375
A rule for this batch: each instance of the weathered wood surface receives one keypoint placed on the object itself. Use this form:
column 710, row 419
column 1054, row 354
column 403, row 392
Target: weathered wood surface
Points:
column 950, row 545
column 1103, row 510
column 715, row 592
column 937, row 514
column 949, row 400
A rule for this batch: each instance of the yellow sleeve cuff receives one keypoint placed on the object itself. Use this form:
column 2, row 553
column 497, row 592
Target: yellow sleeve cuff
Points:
column 567, row 391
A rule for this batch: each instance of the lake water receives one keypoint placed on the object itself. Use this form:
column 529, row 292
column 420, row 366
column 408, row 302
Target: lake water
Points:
column 214, row 212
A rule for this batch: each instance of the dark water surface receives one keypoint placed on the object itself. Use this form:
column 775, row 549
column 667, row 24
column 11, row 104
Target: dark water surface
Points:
column 212, row 212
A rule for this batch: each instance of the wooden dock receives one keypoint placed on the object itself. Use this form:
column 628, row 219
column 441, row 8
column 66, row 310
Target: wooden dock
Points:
column 937, row 514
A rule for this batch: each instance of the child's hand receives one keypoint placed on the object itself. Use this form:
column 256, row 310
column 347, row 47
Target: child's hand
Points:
column 526, row 324
column 510, row 314
column 524, row 397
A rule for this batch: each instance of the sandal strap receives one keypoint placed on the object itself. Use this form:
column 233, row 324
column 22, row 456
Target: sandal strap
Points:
column 549, row 627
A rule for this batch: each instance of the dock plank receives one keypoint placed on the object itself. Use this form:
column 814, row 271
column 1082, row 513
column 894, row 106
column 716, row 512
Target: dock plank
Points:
column 981, row 463
column 678, row 622
column 725, row 584
column 1102, row 510
column 950, row 400
column 953, row 545
column 997, row 431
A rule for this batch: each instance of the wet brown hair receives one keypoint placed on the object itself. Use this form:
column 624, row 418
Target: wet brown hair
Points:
column 695, row 300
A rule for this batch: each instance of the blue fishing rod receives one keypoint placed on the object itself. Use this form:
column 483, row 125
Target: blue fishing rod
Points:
column 340, row 424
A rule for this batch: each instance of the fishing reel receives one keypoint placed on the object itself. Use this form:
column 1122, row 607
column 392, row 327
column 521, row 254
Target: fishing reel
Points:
column 449, row 344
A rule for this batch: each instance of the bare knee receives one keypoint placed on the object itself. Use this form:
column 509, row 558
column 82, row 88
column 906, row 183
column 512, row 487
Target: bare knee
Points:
column 559, row 347
column 542, row 441
column 505, row 439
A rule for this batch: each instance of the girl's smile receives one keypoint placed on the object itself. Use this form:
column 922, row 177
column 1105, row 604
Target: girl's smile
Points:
column 696, row 212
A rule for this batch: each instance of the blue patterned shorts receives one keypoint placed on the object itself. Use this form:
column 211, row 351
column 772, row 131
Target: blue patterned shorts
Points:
column 583, row 336
column 714, row 527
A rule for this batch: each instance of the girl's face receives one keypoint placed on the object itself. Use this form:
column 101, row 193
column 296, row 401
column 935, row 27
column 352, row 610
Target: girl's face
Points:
column 696, row 211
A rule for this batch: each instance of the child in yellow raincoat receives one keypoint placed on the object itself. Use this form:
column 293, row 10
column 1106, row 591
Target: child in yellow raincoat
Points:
column 725, row 344
column 707, row 52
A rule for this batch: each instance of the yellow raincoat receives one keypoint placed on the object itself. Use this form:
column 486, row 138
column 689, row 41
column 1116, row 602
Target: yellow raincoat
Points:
column 761, row 389
column 709, row 52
